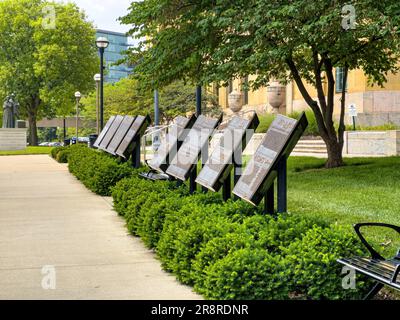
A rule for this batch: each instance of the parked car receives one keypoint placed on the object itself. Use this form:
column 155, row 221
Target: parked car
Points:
column 55, row 144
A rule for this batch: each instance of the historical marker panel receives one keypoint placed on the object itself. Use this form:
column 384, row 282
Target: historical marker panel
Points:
column 188, row 154
column 104, row 132
column 170, row 145
column 127, row 145
column 220, row 163
column 120, row 134
column 111, row 132
column 260, row 172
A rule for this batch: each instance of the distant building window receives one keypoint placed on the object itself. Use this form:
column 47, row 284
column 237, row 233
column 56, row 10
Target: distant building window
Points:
column 339, row 80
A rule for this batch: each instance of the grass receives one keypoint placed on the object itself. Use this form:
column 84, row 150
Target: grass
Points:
column 27, row 151
column 364, row 190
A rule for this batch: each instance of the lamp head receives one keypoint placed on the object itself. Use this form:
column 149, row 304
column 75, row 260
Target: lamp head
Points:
column 102, row 42
column 97, row 77
column 78, row 95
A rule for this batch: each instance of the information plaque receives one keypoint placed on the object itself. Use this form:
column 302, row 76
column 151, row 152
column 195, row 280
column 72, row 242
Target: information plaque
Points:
column 132, row 137
column 111, row 132
column 171, row 143
column 278, row 143
column 126, row 124
column 104, row 132
column 220, row 163
column 197, row 139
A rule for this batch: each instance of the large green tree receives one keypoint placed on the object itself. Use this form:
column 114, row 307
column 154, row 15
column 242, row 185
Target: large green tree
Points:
column 47, row 53
column 128, row 97
column 289, row 40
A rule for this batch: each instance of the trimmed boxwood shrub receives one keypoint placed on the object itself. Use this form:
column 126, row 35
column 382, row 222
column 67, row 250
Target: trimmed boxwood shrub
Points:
column 97, row 170
column 312, row 266
column 56, row 150
column 154, row 214
column 226, row 250
column 62, row 156
column 247, row 274
column 187, row 233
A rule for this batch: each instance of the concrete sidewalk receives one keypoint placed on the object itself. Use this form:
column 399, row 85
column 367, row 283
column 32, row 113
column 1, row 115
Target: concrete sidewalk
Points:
column 48, row 218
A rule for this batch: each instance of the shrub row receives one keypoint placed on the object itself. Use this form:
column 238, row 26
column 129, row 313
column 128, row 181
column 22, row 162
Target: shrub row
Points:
column 230, row 250
column 97, row 170
column 60, row 154
column 225, row 250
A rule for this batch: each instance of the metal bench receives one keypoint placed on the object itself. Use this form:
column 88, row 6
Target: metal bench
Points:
column 383, row 271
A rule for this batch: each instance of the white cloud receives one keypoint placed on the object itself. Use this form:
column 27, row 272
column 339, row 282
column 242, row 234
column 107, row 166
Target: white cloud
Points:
column 104, row 13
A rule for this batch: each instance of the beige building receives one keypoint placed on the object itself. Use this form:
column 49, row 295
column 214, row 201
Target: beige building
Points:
column 375, row 105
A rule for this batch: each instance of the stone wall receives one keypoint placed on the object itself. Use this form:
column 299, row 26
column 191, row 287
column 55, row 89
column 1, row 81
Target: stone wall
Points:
column 375, row 108
column 374, row 143
column 13, row 139
column 363, row 143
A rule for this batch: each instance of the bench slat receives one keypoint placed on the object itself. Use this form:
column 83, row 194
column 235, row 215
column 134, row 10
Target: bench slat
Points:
column 372, row 266
column 364, row 268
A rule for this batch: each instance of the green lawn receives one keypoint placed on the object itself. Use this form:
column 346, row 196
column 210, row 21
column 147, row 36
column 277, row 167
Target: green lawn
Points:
column 28, row 150
column 365, row 190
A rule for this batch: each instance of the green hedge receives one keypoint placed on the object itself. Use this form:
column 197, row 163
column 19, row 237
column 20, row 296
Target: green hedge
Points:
column 97, row 170
column 61, row 154
column 231, row 250
column 225, row 250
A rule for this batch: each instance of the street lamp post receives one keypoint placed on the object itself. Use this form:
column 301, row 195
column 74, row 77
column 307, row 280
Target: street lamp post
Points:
column 78, row 98
column 97, row 79
column 102, row 43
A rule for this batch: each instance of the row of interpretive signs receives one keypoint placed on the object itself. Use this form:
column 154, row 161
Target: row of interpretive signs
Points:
column 189, row 138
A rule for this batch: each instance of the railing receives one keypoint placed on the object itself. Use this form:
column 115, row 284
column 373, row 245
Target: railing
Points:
column 148, row 138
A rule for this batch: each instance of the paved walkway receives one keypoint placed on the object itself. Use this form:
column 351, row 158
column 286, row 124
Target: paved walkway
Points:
column 47, row 218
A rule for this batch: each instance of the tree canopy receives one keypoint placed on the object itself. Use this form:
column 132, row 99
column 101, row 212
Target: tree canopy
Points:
column 47, row 53
column 289, row 40
column 127, row 97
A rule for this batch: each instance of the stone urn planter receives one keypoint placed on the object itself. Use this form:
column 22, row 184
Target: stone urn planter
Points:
column 235, row 101
column 276, row 95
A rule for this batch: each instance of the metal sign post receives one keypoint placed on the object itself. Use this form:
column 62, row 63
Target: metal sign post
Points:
column 353, row 114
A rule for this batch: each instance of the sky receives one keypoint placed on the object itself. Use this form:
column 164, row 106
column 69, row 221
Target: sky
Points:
column 104, row 13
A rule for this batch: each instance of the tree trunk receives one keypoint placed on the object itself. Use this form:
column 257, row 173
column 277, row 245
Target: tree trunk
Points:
column 33, row 136
column 335, row 158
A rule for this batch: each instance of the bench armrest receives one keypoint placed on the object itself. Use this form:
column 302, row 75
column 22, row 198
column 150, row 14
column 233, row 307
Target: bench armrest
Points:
column 374, row 253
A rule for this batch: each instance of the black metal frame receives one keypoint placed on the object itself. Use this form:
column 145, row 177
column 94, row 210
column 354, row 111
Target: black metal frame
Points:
column 380, row 282
column 269, row 199
column 136, row 152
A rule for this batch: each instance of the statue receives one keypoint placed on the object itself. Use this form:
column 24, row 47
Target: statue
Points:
column 10, row 111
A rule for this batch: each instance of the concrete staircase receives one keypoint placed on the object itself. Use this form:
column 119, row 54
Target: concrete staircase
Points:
column 310, row 147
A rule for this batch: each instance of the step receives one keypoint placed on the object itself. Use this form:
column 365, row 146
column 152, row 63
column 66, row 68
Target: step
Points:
column 310, row 144
column 307, row 150
column 317, row 141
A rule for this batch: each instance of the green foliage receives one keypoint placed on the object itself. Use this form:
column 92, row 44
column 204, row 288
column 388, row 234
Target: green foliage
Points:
column 62, row 156
column 229, row 250
column 312, row 266
column 127, row 97
column 97, row 170
column 265, row 122
column 312, row 129
column 43, row 64
column 27, row 151
column 247, row 274
column 54, row 151
column 154, row 214
column 301, row 41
